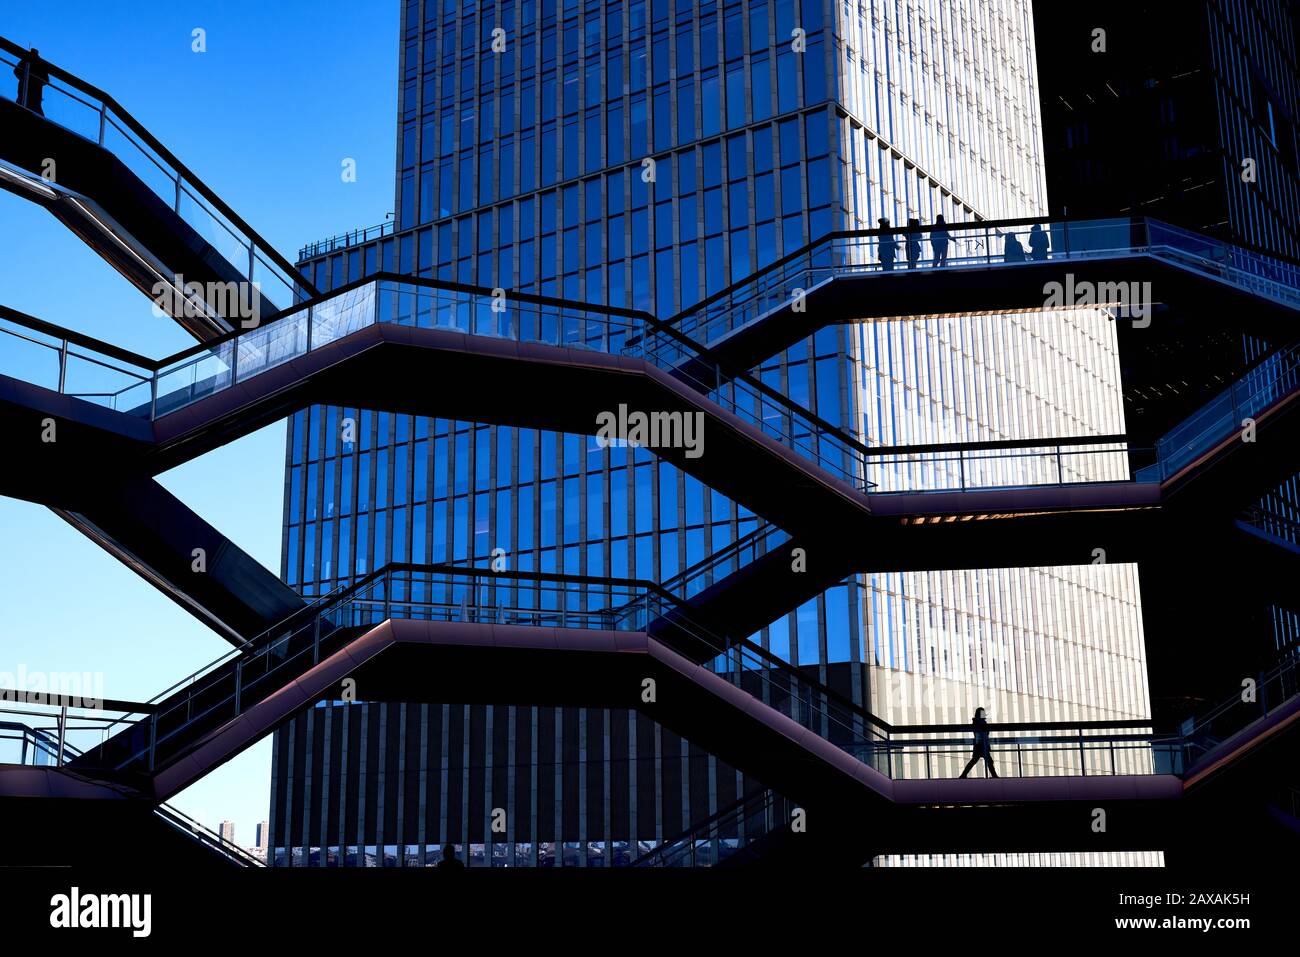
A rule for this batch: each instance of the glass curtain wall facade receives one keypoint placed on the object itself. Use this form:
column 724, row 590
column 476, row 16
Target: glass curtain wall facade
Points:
column 648, row 154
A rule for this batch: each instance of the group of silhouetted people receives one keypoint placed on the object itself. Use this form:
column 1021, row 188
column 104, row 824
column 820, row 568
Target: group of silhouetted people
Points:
column 939, row 239
column 33, row 77
column 1012, row 250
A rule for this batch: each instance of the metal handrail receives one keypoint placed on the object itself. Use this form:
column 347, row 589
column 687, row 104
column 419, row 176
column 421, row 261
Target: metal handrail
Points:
column 1276, row 374
column 807, row 692
column 204, row 835
column 888, row 745
column 871, row 456
column 107, row 104
column 818, row 428
column 743, row 808
column 61, row 750
column 716, row 558
column 828, row 239
column 344, row 241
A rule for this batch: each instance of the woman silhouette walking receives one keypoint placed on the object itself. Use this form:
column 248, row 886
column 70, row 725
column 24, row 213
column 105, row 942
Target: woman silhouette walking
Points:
column 982, row 747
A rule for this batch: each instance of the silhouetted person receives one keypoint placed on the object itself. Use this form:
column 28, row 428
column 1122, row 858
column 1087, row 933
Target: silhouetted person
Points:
column 33, row 77
column 1012, row 251
column 449, row 858
column 982, row 747
column 912, row 246
column 1038, row 242
column 888, row 247
column 939, row 241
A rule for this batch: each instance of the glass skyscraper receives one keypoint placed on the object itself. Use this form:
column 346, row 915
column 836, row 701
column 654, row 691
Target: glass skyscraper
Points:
column 649, row 154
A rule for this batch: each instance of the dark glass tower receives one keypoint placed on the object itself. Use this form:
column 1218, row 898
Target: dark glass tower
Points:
column 1133, row 122
column 1186, row 111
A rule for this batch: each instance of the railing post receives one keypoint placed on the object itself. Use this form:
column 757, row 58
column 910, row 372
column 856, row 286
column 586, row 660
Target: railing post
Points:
column 63, row 734
column 315, row 641
column 153, row 397
column 239, row 684
column 1083, row 763
column 1060, row 468
column 153, row 739
column 103, row 111
column 961, row 471
column 63, row 365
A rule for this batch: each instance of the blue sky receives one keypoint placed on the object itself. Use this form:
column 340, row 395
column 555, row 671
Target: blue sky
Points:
column 285, row 92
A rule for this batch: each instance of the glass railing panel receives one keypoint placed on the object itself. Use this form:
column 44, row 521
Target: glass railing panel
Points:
column 63, row 104
column 343, row 314
column 1053, row 752
column 272, row 345
column 724, row 561
column 26, row 746
column 1194, row 435
column 134, row 400
column 783, row 688
column 965, row 246
column 960, row 470
column 85, row 114
column 722, row 835
column 195, row 378
column 215, row 229
column 29, row 356
column 500, row 316
column 1271, row 690
column 784, row 424
column 43, row 360
column 775, row 290
column 1081, row 240
column 94, row 379
column 1272, row 380
column 286, row 652
column 272, row 283
column 143, row 162
column 1200, row 250
column 1217, row 258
